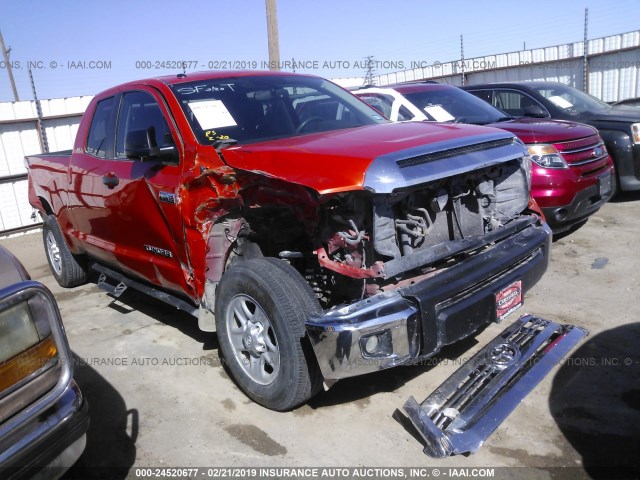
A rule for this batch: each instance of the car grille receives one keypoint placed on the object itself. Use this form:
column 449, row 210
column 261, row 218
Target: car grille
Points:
column 584, row 151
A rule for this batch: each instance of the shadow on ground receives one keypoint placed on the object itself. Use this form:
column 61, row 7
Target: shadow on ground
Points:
column 187, row 324
column 595, row 400
column 624, row 197
column 113, row 429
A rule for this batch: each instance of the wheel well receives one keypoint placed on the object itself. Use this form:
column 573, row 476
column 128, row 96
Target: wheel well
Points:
column 45, row 205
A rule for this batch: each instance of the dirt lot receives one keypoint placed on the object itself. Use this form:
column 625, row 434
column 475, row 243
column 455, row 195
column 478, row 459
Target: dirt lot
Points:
column 158, row 396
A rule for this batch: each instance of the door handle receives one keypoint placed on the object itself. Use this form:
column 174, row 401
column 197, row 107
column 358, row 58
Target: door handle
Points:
column 110, row 180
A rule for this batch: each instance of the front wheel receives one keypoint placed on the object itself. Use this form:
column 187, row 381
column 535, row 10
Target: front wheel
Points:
column 261, row 307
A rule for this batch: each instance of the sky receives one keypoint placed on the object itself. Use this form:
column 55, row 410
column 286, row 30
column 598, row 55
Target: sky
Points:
column 83, row 47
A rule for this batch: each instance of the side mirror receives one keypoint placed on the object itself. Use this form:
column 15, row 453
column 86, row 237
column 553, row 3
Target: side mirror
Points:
column 141, row 144
column 534, row 111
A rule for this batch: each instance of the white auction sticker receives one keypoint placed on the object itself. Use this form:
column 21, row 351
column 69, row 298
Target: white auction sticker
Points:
column 438, row 113
column 561, row 102
column 212, row 114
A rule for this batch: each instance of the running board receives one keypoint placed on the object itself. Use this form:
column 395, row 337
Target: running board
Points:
column 115, row 290
column 462, row 412
column 124, row 282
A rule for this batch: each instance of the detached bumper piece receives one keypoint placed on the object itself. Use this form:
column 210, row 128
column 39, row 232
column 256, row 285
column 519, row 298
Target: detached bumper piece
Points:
column 461, row 414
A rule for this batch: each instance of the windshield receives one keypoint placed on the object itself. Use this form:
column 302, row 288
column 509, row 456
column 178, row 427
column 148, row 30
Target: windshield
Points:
column 570, row 100
column 266, row 107
column 450, row 104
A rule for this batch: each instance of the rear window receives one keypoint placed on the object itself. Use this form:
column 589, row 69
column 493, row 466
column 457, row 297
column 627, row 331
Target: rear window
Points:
column 98, row 132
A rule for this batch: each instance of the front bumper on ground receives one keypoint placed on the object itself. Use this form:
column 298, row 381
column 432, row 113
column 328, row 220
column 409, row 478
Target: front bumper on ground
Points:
column 402, row 326
column 462, row 412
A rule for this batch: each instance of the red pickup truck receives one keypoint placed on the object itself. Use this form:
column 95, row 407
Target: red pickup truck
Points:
column 319, row 240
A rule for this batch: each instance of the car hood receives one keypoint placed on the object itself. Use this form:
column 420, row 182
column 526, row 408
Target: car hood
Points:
column 337, row 161
column 11, row 270
column 617, row 114
column 531, row 130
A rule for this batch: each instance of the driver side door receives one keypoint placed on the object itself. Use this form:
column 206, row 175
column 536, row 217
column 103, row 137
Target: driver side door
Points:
column 133, row 216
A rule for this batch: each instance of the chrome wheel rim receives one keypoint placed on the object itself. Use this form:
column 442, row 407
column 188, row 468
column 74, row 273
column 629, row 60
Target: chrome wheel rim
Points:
column 53, row 251
column 253, row 339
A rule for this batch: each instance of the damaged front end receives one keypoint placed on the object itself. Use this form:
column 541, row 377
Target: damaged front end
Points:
column 416, row 260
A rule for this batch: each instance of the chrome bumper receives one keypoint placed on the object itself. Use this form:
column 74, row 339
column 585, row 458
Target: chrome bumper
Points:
column 339, row 336
column 418, row 320
column 462, row 412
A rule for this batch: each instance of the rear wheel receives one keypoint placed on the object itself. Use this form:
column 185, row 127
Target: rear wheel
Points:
column 261, row 307
column 68, row 269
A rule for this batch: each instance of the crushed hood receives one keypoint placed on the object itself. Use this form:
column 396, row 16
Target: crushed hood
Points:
column 367, row 157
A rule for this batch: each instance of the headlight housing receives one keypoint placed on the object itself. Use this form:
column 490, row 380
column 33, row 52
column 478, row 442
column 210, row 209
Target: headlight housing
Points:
column 635, row 132
column 546, row 156
column 27, row 345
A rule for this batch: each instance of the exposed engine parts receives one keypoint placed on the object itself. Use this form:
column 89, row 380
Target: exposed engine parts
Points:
column 357, row 244
column 426, row 218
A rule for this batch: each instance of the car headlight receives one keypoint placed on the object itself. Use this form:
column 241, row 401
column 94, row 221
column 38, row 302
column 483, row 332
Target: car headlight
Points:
column 635, row 132
column 26, row 341
column 546, row 156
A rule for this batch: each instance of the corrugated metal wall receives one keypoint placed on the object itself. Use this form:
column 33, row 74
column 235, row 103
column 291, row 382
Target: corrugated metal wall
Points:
column 19, row 137
column 613, row 72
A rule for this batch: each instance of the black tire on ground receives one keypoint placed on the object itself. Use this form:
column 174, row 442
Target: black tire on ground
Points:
column 261, row 307
column 615, row 185
column 68, row 269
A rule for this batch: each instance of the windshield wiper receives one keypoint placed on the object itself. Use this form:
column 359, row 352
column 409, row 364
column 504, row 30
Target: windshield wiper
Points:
column 503, row 119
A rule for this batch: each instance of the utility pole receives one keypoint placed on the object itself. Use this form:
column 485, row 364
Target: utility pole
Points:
column 585, row 53
column 44, row 144
column 272, row 35
column 368, row 77
column 5, row 54
column 462, row 58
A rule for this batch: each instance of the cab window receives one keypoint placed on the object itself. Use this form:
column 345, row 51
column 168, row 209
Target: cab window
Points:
column 513, row 103
column 140, row 111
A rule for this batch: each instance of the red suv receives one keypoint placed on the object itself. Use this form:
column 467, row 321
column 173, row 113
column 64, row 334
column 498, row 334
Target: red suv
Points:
column 572, row 171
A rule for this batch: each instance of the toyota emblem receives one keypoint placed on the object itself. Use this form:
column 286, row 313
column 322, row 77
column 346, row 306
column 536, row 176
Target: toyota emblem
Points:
column 504, row 354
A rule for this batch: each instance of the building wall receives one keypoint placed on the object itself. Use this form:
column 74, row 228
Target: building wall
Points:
column 613, row 67
column 18, row 138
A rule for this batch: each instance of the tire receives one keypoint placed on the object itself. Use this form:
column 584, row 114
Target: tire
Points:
column 68, row 269
column 261, row 307
column 615, row 185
